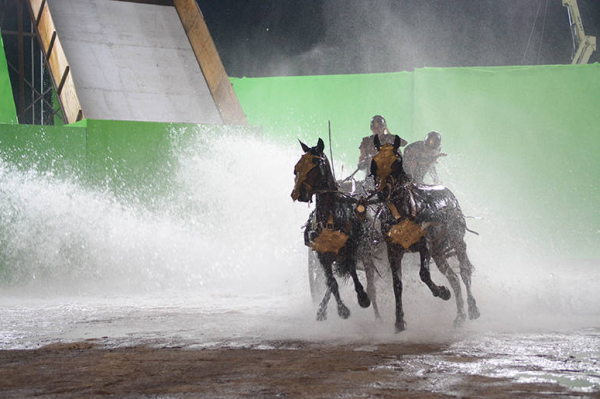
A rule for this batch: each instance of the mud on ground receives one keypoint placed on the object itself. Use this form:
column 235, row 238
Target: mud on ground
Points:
column 294, row 370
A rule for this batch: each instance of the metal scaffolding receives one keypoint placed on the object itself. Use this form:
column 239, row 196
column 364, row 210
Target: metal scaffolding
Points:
column 34, row 90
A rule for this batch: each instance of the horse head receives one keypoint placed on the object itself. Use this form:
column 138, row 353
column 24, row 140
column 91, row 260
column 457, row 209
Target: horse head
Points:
column 386, row 165
column 313, row 173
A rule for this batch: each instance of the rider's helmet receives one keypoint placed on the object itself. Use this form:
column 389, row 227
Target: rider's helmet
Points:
column 433, row 140
column 378, row 124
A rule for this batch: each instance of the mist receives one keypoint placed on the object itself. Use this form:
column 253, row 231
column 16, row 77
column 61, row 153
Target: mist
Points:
column 227, row 244
column 225, row 227
column 348, row 37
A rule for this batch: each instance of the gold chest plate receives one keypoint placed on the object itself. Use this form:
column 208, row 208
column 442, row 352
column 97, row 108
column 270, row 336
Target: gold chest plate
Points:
column 329, row 241
column 405, row 233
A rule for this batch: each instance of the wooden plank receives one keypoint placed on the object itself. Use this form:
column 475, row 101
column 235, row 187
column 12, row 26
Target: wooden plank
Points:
column 62, row 81
column 210, row 62
column 70, row 100
column 39, row 13
column 51, row 45
column 57, row 61
column 36, row 5
column 201, row 41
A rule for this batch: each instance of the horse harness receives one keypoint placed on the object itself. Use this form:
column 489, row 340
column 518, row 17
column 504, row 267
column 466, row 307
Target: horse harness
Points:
column 329, row 238
column 384, row 159
column 405, row 231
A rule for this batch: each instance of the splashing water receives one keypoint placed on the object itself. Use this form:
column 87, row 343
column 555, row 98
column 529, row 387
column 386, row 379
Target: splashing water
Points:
column 217, row 231
column 220, row 260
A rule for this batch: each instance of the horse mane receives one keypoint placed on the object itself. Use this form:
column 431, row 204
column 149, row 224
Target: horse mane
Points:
column 330, row 179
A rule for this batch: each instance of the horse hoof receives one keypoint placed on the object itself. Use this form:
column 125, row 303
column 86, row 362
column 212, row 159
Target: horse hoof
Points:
column 363, row 300
column 343, row 311
column 400, row 326
column 473, row 313
column 459, row 321
column 321, row 315
column 444, row 293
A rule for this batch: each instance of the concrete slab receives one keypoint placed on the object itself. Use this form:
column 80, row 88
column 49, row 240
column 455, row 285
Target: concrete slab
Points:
column 132, row 61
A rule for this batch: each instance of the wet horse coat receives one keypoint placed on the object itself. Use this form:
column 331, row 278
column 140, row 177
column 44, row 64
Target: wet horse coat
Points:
column 334, row 231
column 424, row 219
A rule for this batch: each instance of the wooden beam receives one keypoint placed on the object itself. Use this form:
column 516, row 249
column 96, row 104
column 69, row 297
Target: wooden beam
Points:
column 39, row 15
column 56, row 59
column 210, row 63
column 62, row 80
column 15, row 33
column 51, row 45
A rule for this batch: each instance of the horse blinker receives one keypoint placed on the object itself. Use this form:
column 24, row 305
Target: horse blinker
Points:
column 302, row 188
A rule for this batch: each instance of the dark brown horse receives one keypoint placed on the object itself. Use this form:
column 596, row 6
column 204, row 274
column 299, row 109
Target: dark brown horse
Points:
column 424, row 219
column 334, row 230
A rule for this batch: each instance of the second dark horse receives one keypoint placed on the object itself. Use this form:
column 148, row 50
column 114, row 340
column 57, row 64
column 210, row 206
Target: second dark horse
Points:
column 334, row 230
column 424, row 219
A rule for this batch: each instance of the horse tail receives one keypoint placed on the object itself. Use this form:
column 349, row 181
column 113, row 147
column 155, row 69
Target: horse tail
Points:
column 466, row 228
column 471, row 231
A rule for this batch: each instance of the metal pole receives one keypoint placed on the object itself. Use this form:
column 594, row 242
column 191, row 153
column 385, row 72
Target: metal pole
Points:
column 331, row 150
column 21, row 58
column 32, row 77
column 42, row 87
column 573, row 32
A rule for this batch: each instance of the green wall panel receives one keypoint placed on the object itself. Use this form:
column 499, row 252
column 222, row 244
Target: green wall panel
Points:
column 134, row 160
column 137, row 160
column 56, row 149
column 8, row 112
column 131, row 158
column 288, row 108
column 523, row 142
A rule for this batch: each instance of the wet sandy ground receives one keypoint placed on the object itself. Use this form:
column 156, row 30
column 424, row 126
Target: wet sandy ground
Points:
column 275, row 369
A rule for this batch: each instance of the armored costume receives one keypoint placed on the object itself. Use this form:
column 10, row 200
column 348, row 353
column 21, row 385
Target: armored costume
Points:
column 367, row 149
column 420, row 158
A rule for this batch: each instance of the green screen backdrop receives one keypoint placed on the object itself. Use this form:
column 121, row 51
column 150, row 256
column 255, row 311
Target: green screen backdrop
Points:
column 523, row 143
column 291, row 108
column 8, row 112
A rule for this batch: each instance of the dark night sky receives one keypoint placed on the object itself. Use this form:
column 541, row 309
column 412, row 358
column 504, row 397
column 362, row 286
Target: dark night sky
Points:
column 314, row 37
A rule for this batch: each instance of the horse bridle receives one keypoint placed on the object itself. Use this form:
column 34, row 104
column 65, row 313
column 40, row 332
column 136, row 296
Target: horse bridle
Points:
column 304, row 166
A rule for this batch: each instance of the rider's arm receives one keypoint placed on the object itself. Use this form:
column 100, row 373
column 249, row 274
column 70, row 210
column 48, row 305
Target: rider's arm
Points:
column 434, row 175
column 364, row 155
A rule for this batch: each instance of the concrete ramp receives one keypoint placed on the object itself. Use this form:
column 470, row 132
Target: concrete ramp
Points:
column 134, row 61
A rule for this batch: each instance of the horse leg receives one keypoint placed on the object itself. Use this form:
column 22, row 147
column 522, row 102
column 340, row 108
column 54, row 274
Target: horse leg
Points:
column 343, row 311
column 466, row 270
column 371, row 291
column 395, row 258
column 444, row 267
column 332, row 287
column 425, row 274
column 363, row 298
column 322, row 312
